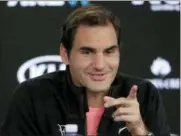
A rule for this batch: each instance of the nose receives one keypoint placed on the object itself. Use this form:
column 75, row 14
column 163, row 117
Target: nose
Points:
column 99, row 61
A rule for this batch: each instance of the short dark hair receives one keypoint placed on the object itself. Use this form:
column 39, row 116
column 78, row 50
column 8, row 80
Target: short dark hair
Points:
column 91, row 15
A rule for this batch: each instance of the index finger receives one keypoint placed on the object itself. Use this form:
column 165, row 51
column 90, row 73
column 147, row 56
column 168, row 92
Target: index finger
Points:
column 110, row 102
column 133, row 92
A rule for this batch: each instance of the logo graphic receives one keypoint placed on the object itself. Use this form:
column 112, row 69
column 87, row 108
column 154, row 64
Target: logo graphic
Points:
column 121, row 129
column 73, row 3
column 39, row 66
column 156, row 5
column 160, row 67
column 61, row 129
column 35, row 3
column 68, row 129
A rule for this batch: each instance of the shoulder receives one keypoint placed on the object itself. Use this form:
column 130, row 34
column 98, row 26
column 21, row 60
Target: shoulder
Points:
column 130, row 80
column 42, row 85
column 145, row 88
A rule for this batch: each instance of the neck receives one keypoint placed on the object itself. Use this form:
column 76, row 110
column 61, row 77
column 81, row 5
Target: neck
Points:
column 96, row 99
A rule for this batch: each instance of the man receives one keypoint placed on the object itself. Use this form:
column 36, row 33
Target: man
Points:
column 92, row 92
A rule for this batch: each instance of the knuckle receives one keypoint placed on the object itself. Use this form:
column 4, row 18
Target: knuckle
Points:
column 120, row 110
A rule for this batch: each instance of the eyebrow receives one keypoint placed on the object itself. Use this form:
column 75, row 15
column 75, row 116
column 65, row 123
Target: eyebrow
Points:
column 112, row 47
column 94, row 50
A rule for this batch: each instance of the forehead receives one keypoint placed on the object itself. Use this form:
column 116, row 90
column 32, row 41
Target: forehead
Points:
column 95, row 36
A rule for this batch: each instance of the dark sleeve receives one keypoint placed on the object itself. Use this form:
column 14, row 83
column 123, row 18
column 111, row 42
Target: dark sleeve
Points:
column 19, row 120
column 152, row 110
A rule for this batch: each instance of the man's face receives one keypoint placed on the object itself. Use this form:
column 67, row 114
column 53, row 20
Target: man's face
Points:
column 94, row 57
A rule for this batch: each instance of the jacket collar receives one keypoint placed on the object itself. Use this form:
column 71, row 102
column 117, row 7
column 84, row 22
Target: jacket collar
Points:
column 79, row 92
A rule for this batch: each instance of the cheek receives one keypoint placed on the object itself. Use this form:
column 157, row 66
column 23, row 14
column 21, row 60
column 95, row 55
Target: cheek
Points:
column 113, row 62
column 79, row 62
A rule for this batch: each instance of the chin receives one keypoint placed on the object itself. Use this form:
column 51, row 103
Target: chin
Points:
column 98, row 88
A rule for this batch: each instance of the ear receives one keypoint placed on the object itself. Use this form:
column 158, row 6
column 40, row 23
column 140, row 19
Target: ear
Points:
column 64, row 54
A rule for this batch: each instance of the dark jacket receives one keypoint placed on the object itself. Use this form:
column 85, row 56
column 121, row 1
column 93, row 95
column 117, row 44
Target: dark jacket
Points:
column 39, row 105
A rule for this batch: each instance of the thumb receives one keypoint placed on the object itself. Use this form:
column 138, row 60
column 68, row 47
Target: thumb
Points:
column 107, row 101
column 133, row 92
column 107, row 98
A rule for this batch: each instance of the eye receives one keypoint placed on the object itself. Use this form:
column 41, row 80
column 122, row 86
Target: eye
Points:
column 109, row 51
column 87, row 52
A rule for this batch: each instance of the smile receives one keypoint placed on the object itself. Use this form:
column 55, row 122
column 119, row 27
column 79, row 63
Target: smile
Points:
column 98, row 77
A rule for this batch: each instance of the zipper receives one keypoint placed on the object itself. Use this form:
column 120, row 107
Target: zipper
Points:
column 83, row 109
column 110, row 93
column 85, row 127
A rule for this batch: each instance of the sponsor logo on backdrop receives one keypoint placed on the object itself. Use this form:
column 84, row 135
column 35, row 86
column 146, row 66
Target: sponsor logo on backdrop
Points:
column 38, row 66
column 156, row 5
column 161, row 69
column 60, row 3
